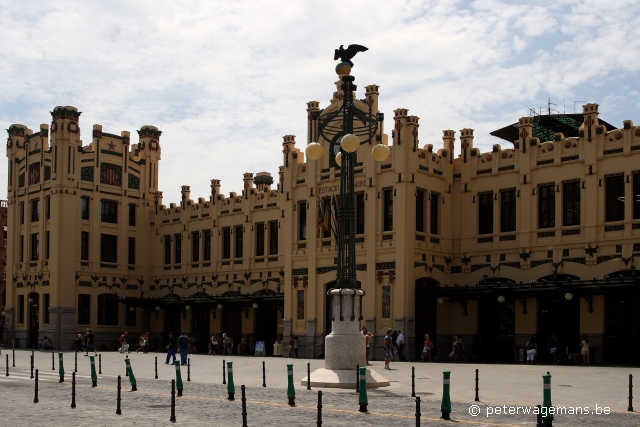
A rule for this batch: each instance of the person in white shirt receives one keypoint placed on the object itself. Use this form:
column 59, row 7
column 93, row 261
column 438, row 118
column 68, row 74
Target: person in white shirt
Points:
column 400, row 345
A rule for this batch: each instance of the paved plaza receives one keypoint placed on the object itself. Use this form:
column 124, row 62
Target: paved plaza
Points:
column 205, row 397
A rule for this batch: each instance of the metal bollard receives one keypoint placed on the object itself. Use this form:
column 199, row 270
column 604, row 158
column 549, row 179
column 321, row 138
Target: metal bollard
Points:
column 364, row 401
column 188, row 369
column 156, row 367
column 477, row 399
column 630, row 408
column 126, row 365
column 99, row 364
column 35, row 399
column 264, row 375
column 73, row 389
column 7, row 365
column 32, row 366
column 94, row 377
column 319, row 421
column 118, row 410
column 244, row 407
column 75, row 368
column 418, row 414
column 546, row 401
column 132, row 378
column 231, row 389
column 539, row 416
column 308, row 376
column 173, row 401
column 446, row 399
column 14, row 359
column 178, row 377
column 413, row 381
column 61, row 367
column 357, row 378
column 291, row 391
column 224, row 376
column 53, row 361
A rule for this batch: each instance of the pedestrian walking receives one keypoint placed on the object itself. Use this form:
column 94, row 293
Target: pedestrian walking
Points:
column 553, row 346
column 171, row 348
column 426, row 348
column 183, row 344
column 77, row 342
column 89, row 342
column 367, row 335
column 225, row 344
column 584, row 350
column 212, row 345
column 532, row 350
column 388, row 348
column 291, row 345
column 400, row 345
column 296, row 345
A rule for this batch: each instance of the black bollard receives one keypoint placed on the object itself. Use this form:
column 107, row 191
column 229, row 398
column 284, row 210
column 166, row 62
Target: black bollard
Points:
column 173, row 401
column 118, row 410
column 308, row 376
column 188, row 369
column 35, row 399
column 319, row 408
column 75, row 369
column 126, row 367
column 264, row 375
column 32, row 366
column 99, row 364
column 156, row 367
column 539, row 416
column 224, row 377
column 53, row 362
column 14, row 359
column 357, row 378
column 477, row 399
column 413, row 381
column 33, row 359
column 418, row 414
column 7, row 365
column 73, row 389
column 244, row 407
column 630, row 408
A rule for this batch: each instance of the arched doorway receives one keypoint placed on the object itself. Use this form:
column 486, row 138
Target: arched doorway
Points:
column 426, row 309
column 200, row 325
column 34, row 320
column 495, row 340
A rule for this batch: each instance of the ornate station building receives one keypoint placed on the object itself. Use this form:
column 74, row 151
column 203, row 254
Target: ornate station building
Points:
column 535, row 238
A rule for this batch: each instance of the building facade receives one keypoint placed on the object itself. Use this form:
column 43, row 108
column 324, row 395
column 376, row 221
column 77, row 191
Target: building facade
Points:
column 533, row 239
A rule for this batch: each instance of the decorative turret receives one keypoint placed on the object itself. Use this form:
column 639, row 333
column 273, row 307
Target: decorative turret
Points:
column 466, row 143
column 448, row 139
column 248, row 184
column 263, row 181
column 186, row 192
column 313, row 110
column 288, row 144
column 215, row 190
column 372, row 94
column 590, row 113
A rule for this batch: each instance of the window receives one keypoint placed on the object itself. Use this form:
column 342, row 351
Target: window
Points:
column 260, row 239
column 360, row 213
column 326, row 218
column 20, row 309
column 35, row 210
column 46, row 303
column 35, row 247
column 387, row 210
column 48, row 207
column 302, row 220
column 21, row 248
column 85, row 207
column 84, row 309
column 636, row 196
column 614, row 209
column 507, row 211
column 108, row 309
column 109, row 211
column 21, row 212
column 433, row 213
column 46, row 245
column 420, row 211
column 207, row 246
column 238, row 242
column 84, row 245
column 132, row 251
column 226, row 243
column 485, row 213
column 546, row 206
column 273, row 238
column 195, row 246
column 132, row 217
column 108, row 248
column 167, row 249
column 177, row 257
column 571, row 203
column 130, row 317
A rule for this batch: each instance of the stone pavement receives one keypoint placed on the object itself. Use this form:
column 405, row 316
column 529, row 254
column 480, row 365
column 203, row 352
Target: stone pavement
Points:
column 205, row 398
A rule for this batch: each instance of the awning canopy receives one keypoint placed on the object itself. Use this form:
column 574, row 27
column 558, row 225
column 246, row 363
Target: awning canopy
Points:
column 201, row 299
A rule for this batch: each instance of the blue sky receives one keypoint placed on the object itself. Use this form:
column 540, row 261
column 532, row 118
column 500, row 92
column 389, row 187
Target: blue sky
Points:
column 225, row 80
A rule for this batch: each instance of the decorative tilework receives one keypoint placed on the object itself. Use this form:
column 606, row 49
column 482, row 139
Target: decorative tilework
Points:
column 299, row 272
column 385, row 265
column 111, row 174
column 47, row 173
column 386, row 302
column 34, row 173
column 536, row 263
column 21, row 180
column 134, row 182
column 86, row 173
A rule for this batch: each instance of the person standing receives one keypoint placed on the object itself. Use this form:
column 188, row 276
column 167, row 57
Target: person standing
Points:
column 553, row 346
column 224, row 343
column 291, row 345
column 90, row 342
column 426, row 349
column 77, row 343
column 400, row 345
column 183, row 344
column 213, row 345
column 171, row 348
column 584, row 349
column 296, row 345
column 388, row 348
column 367, row 335
column 532, row 349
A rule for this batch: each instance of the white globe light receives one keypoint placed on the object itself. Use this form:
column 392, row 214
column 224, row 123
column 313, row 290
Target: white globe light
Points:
column 350, row 143
column 220, row 306
column 255, row 305
column 501, row 299
column 380, row 152
column 314, row 151
column 568, row 296
column 440, row 300
column 157, row 308
column 187, row 307
column 131, row 308
column 339, row 159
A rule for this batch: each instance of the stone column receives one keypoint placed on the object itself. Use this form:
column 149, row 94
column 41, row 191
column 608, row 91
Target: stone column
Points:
column 9, row 324
column 62, row 326
column 310, row 351
column 345, row 346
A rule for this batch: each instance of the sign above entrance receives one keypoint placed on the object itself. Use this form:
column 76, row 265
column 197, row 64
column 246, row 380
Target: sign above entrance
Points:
column 336, row 188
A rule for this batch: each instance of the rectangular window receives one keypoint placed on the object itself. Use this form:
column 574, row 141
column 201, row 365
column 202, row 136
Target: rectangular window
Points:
column 226, row 243
column 434, row 210
column 47, row 244
column 420, row 211
column 238, row 242
column 108, row 248
column 48, row 207
column 507, row 211
column 46, row 303
column 108, row 309
column 35, row 210
column 571, row 203
column 132, row 215
column 21, row 212
column 360, row 213
column 84, row 207
column 614, row 209
column 273, row 238
column 260, row 239
column 84, row 309
column 300, row 315
column 177, row 256
column 325, row 221
column 195, row 246
column 167, row 249
column 130, row 317
column 35, row 247
column 109, row 211
column 302, row 220
column 636, row 196
column 547, row 206
column 207, row 246
column 84, row 245
column 20, row 309
column 132, row 251
column 485, row 213
column 21, row 248
column 387, row 209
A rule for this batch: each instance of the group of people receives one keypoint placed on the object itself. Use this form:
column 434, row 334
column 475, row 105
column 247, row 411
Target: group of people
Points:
column 531, row 348
column 182, row 344
column 224, row 344
column 84, row 342
column 294, row 345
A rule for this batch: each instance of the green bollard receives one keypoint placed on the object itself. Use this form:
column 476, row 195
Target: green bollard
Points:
column 61, row 367
column 291, row 392
column 178, row 377
column 132, row 379
column 446, row 399
column 363, row 389
column 94, row 377
column 546, row 402
column 230, row 387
